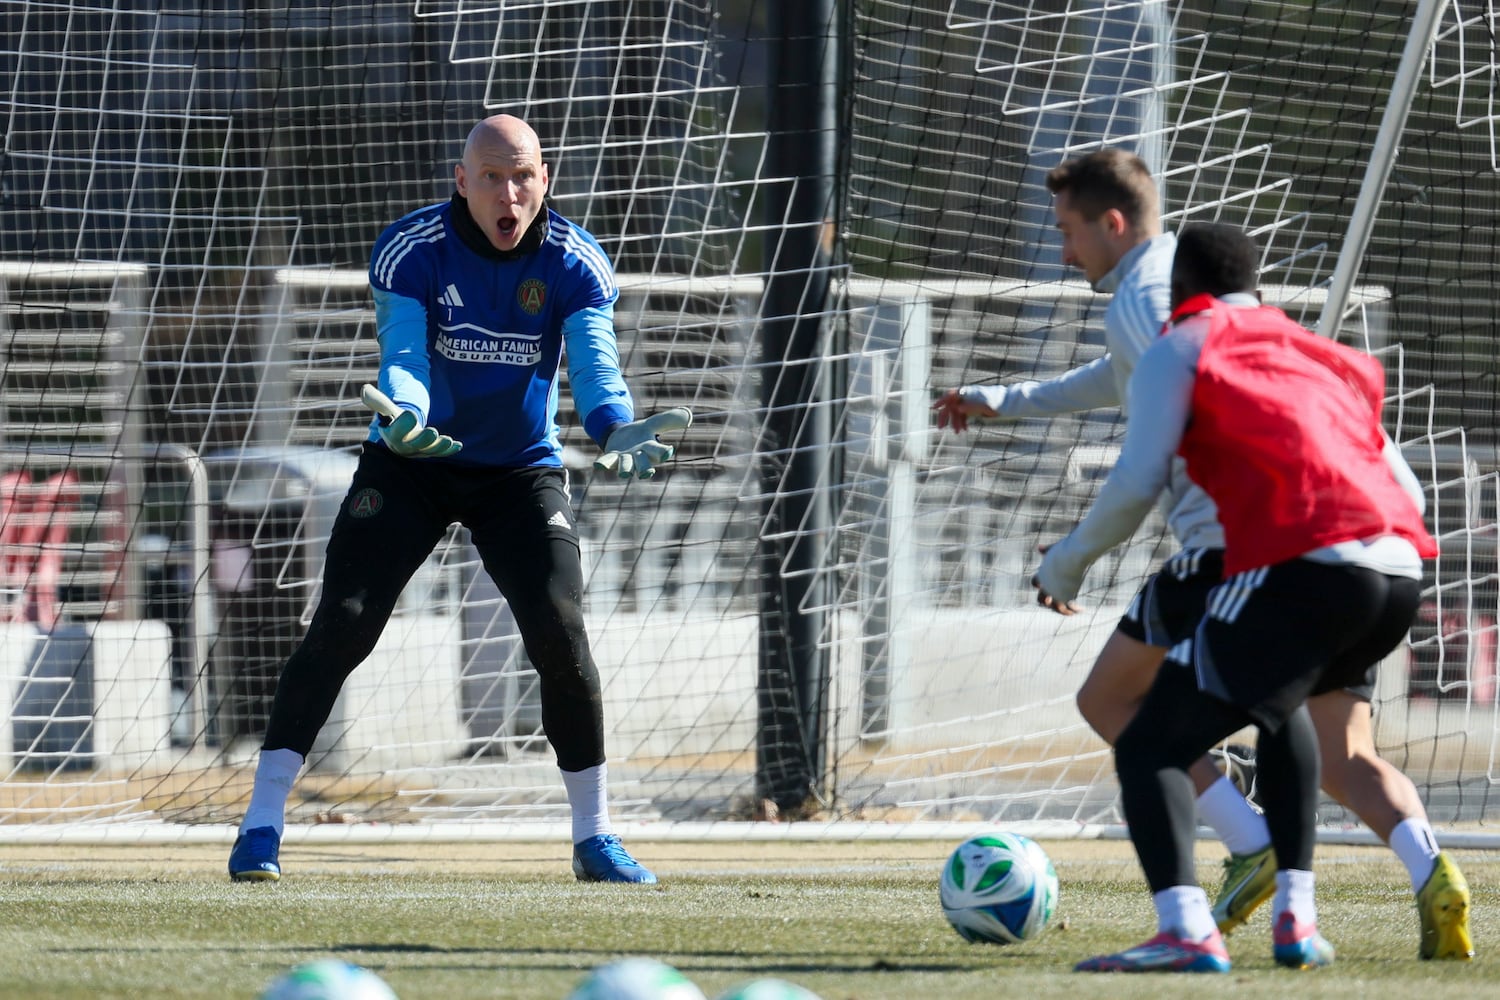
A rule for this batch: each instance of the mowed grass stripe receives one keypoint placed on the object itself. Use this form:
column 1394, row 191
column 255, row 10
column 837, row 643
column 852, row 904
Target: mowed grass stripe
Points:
column 851, row 921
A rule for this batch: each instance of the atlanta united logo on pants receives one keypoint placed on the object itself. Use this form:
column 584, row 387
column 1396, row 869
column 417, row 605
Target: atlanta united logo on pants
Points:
column 366, row 503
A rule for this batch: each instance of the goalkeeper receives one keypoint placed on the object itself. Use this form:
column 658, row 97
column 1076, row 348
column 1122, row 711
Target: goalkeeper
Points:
column 477, row 301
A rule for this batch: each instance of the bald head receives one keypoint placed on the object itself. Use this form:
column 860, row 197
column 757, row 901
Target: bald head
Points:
column 503, row 178
column 502, row 134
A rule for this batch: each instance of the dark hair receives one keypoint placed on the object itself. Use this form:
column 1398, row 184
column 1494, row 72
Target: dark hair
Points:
column 1214, row 259
column 1105, row 179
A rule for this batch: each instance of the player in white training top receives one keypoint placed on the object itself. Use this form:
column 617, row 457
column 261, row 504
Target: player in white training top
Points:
column 1107, row 210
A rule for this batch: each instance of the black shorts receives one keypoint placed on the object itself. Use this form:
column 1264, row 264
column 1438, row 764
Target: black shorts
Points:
column 1169, row 606
column 1273, row 637
column 508, row 504
column 398, row 509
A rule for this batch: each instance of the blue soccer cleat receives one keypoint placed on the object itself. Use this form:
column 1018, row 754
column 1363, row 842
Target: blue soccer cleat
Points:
column 1164, row 953
column 255, row 856
column 604, row 859
column 1299, row 946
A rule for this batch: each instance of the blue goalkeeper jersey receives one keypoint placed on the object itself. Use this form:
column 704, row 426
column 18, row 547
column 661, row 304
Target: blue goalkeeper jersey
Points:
column 473, row 341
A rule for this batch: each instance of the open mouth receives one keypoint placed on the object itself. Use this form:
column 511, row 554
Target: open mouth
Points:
column 506, row 226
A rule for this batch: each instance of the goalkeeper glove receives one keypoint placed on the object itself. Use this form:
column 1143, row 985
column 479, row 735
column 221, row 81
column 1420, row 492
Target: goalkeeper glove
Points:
column 633, row 448
column 402, row 431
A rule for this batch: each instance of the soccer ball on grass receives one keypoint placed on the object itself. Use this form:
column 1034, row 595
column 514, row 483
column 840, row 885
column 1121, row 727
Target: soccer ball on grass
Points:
column 636, row 979
column 998, row 888
column 328, row 979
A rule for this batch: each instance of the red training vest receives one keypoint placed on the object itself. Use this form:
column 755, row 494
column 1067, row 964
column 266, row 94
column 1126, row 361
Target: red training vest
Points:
column 1285, row 437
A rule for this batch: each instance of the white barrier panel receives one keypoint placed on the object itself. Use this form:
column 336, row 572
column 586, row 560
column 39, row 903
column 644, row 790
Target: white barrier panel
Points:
column 130, row 711
column 400, row 707
column 677, row 686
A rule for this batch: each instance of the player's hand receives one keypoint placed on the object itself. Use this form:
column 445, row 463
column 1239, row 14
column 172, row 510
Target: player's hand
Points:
column 402, row 431
column 956, row 407
column 633, row 448
column 1051, row 603
column 1045, row 599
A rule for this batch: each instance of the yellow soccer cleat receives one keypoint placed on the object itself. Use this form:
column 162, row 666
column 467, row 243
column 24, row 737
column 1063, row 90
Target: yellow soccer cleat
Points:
column 1249, row 880
column 1443, row 905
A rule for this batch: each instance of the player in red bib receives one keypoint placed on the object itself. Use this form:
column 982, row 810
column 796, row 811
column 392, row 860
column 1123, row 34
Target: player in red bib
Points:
column 1324, row 543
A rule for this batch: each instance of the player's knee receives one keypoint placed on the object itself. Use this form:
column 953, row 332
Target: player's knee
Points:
column 1149, row 746
column 1334, row 782
column 353, row 609
column 345, row 630
column 559, row 650
column 569, row 674
column 1086, row 703
column 1341, row 774
column 1105, row 717
column 556, row 608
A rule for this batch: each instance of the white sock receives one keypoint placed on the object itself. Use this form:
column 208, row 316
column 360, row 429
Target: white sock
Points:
column 588, row 797
column 274, row 774
column 1294, row 892
column 1183, row 910
column 1416, row 845
column 1233, row 818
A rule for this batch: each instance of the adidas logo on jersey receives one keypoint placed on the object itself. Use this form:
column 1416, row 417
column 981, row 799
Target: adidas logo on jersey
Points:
column 451, row 298
column 558, row 520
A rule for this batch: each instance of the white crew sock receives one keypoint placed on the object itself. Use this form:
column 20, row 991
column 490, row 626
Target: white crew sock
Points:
column 1183, row 910
column 1416, row 845
column 1233, row 818
column 274, row 774
column 1294, row 892
column 588, row 796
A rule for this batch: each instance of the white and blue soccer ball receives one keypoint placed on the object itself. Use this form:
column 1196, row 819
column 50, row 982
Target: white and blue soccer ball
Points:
column 998, row 888
column 328, row 979
column 636, row 979
column 768, row 989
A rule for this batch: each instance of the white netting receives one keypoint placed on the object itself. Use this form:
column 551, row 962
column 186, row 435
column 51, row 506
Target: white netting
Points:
column 189, row 200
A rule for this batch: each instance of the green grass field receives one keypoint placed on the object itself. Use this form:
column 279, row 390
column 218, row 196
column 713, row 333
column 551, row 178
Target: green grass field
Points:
column 847, row 920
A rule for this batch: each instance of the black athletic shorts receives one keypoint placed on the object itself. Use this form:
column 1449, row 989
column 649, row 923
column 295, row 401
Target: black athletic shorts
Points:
column 1168, row 608
column 1274, row 636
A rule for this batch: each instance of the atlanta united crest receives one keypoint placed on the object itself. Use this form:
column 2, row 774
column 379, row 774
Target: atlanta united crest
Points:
column 532, row 295
column 366, row 503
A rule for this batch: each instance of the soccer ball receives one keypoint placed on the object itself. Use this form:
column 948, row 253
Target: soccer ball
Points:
column 999, row 888
column 768, row 989
column 636, row 979
column 328, row 979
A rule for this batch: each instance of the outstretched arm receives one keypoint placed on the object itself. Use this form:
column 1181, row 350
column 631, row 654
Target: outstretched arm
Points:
column 1161, row 393
column 634, row 448
column 630, row 446
column 599, row 391
column 1088, row 387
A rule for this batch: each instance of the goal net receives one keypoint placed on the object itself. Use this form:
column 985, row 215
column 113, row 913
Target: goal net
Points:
column 188, row 206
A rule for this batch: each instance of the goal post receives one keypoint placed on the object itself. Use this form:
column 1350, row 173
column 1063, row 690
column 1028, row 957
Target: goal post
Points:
column 185, row 322
column 1419, row 40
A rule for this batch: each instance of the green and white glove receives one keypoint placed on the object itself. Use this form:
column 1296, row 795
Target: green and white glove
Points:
column 402, row 431
column 633, row 449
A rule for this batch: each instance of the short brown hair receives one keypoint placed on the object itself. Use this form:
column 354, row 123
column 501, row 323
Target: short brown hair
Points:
column 1105, row 179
